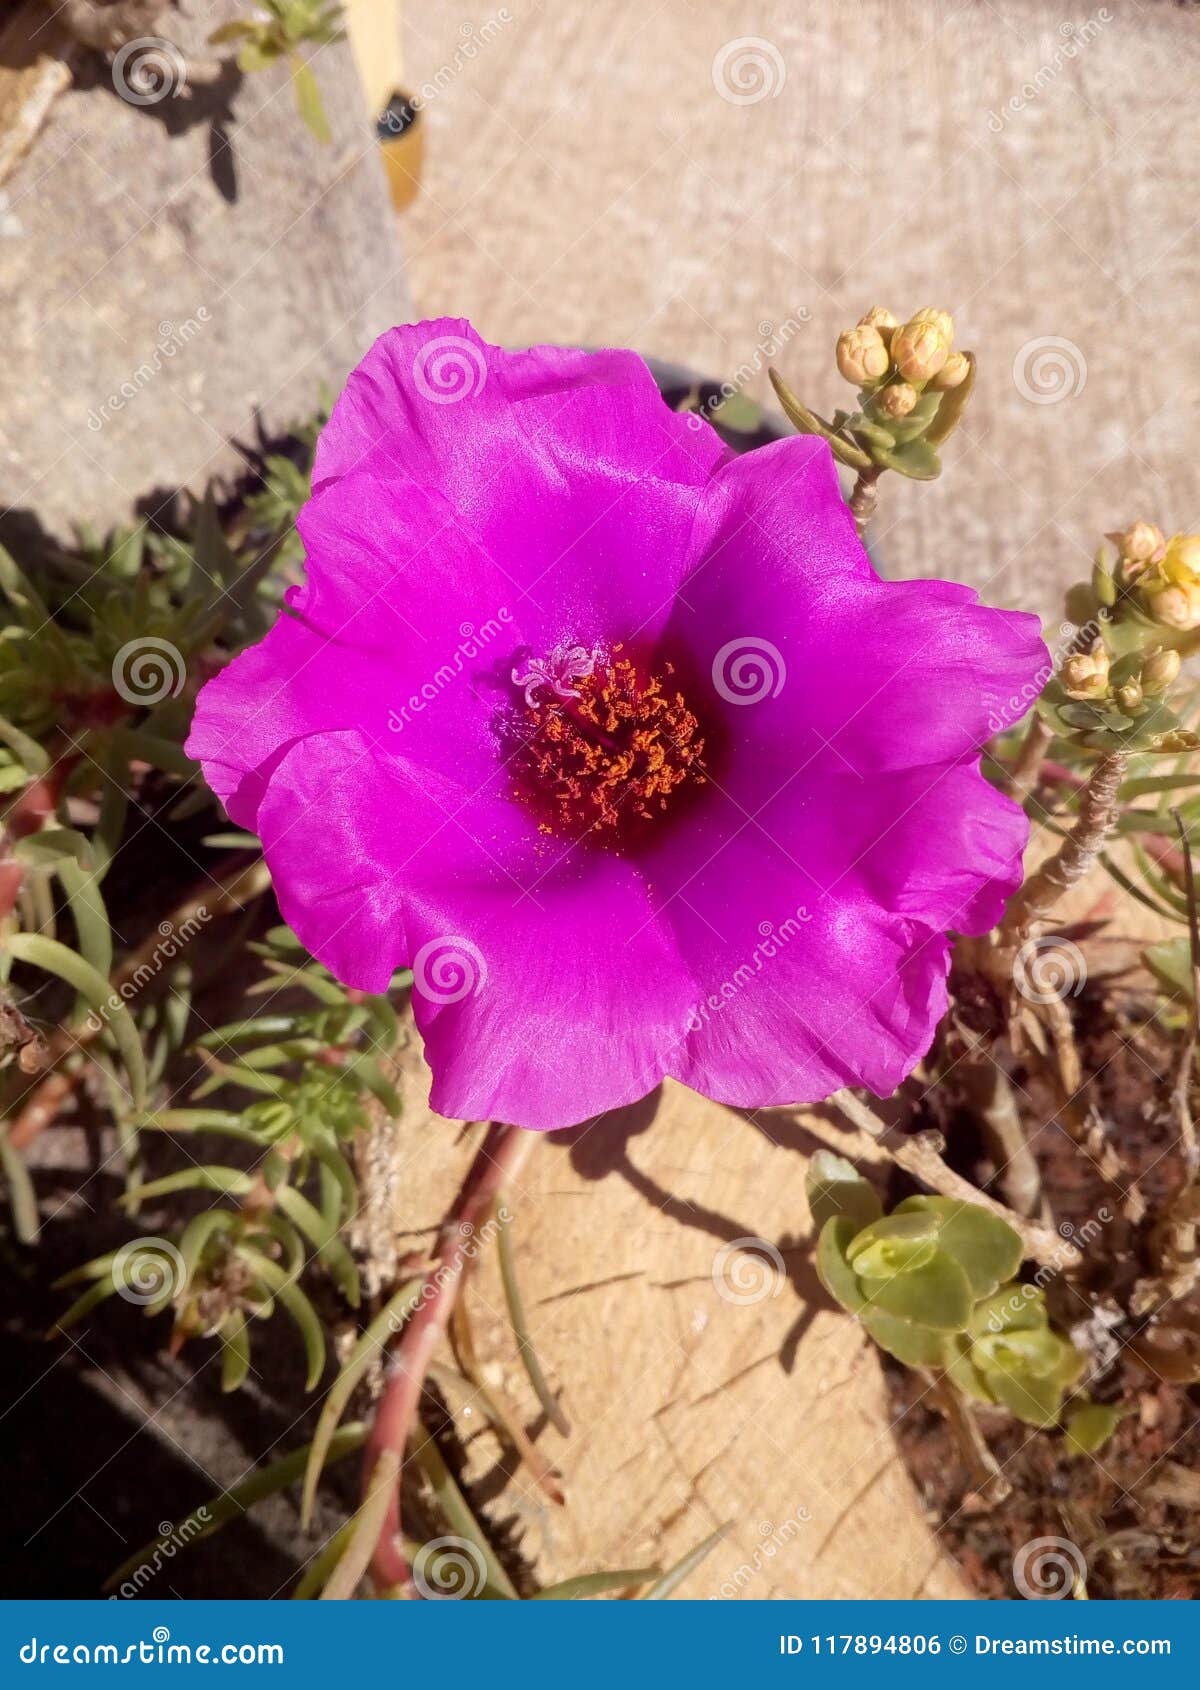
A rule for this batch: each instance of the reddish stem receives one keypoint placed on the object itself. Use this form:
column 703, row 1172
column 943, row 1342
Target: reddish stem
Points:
column 500, row 1156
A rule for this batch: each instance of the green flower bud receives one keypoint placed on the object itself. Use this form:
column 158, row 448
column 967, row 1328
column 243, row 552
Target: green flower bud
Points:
column 1160, row 670
column 1130, row 697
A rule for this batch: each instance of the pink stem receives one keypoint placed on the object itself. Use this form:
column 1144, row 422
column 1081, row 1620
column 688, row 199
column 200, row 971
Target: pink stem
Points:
column 500, row 1156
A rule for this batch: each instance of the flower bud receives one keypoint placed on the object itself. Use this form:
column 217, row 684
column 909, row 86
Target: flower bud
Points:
column 881, row 320
column 952, row 373
column 1140, row 544
column 941, row 320
column 1085, row 675
column 897, row 400
column 919, row 350
column 1176, row 607
column 1129, row 697
column 861, row 355
column 1181, row 562
column 1160, row 669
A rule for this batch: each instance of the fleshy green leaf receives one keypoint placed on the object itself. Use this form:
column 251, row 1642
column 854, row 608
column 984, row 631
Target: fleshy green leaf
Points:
column 835, row 1187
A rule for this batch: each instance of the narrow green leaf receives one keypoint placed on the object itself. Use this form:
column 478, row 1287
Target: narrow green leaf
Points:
column 59, row 959
column 231, row 1182
column 809, row 423
column 297, row 1305
column 235, row 1356
column 674, row 1576
column 596, row 1584
column 22, row 1197
column 232, row 1504
column 331, row 1252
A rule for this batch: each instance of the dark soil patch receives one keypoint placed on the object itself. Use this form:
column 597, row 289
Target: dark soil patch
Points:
column 1129, row 1511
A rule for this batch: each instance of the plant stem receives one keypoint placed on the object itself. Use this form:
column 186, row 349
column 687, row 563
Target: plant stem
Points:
column 864, row 497
column 921, row 1156
column 500, row 1158
column 1098, row 810
column 1024, row 773
column 987, row 1480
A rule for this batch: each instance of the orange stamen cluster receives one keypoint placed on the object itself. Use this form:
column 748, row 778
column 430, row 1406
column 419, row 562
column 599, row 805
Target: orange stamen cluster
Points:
column 610, row 756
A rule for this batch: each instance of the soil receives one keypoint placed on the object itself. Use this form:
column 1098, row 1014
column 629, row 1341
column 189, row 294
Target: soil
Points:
column 1130, row 1510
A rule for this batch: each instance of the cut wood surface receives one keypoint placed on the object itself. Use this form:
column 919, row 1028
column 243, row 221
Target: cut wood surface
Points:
column 731, row 184
column 665, row 1261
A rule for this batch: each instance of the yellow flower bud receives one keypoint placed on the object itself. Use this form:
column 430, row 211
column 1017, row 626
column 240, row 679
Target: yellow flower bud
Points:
column 1140, row 544
column 1176, row 607
column 1129, row 697
column 1160, row 669
column 941, row 320
column 1181, row 562
column 1085, row 675
column 881, row 320
column 898, row 399
column 861, row 355
column 952, row 373
column 919, row 350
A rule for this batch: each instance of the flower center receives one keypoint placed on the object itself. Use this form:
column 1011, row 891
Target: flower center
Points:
column 602, row 745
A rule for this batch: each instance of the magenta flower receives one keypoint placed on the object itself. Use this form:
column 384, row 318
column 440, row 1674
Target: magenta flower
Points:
column 617, row 740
